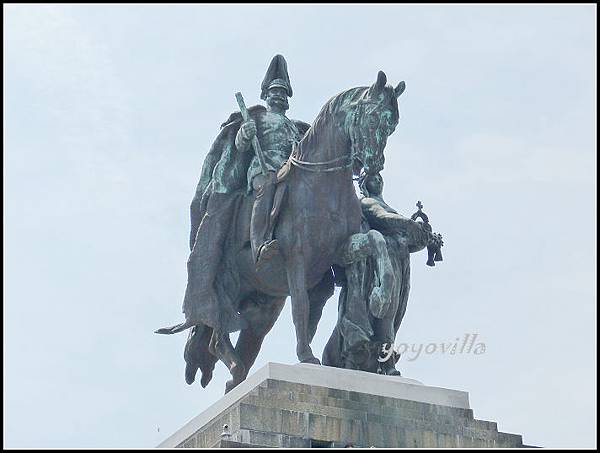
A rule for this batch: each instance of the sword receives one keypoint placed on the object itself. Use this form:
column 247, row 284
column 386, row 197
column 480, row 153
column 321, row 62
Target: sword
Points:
column 255, row 143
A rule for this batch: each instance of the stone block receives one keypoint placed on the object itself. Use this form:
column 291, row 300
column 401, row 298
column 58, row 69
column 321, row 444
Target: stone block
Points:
column 375, row 434
column 508, row 440
column 260, row 418
column 414, row 438
column 294, row 423
column 295, row 442
column 317, row 426
column 430, row 439
column 347, row 404
column 337, row 393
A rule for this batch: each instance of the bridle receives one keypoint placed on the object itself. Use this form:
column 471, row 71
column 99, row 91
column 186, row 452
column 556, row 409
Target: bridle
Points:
column 316, row 166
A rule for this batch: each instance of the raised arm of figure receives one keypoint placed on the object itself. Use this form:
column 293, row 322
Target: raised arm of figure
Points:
column 244, row 136
column 388, row 222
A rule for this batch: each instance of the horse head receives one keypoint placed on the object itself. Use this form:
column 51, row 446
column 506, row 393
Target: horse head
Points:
column 374, row 118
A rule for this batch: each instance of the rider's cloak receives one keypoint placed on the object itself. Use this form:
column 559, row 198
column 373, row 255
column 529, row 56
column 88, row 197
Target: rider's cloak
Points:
column 197, row 356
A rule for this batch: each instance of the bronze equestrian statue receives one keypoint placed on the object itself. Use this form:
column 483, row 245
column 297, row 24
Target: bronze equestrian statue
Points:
column 316, row 222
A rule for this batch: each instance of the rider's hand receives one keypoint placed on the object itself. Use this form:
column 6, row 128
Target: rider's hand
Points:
column 248, row 130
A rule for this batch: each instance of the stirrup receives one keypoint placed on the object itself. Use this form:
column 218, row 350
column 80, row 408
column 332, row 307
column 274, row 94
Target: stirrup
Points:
column 267, row 251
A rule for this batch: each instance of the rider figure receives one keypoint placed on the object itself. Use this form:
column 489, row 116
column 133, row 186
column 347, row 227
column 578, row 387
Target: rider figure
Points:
column 229, row 170
column 276, row 134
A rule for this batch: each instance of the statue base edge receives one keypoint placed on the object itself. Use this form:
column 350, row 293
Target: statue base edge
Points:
column 307, row 405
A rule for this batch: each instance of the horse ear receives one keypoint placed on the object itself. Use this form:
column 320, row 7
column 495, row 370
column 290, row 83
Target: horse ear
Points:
column 400, row 89
column 381, row 81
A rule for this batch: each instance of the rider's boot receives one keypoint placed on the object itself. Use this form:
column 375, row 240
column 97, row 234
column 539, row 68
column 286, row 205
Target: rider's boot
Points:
column 200, row 303
column 263, row 245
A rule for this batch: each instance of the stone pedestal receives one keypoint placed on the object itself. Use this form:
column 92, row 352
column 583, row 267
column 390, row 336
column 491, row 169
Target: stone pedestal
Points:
column 316, row 406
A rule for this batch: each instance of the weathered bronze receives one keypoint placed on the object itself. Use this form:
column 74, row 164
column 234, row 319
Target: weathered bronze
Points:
column 364, row 335
column 273, row 219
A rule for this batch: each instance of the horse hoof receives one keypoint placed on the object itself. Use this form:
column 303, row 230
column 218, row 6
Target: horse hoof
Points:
column 238, row 373
column 190, row 374
column 230, row 385
column 312, row 360
column 206, row 378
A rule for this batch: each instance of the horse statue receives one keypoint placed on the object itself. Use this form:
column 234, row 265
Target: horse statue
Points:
column 318, row 227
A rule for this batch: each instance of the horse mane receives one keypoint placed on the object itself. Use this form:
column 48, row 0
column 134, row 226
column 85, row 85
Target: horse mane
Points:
column 327, row 114
column 334, row 105
column 336, row 102
column 353, row 95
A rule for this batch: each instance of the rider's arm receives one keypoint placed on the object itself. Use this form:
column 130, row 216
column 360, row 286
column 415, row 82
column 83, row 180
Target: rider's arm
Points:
column 384, row 221
column 243, row 138
column 392, row 223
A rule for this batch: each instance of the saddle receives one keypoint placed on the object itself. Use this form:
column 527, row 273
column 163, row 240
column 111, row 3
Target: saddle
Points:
column 283, row 172
column 280, row 191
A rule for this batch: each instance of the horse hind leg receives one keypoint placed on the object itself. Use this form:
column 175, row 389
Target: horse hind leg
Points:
column 264, row 312
column 220, row 343
column 198, row 356
column 261, row 316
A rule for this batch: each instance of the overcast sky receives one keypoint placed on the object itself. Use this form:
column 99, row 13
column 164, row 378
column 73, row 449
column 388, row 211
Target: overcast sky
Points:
column 110, row 111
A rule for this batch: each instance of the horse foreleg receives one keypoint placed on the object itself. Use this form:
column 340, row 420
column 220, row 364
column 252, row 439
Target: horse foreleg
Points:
column 318, row 296
column 372, row 245
column 300, row 306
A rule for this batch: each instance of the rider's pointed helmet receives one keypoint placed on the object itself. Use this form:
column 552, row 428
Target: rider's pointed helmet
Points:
column 276, row 76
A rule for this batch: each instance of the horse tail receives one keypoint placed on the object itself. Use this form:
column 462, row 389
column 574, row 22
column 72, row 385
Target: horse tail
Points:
column 175, row 329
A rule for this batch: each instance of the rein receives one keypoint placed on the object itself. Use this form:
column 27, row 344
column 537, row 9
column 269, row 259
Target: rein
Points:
column 317, row 166
column 314, row 166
